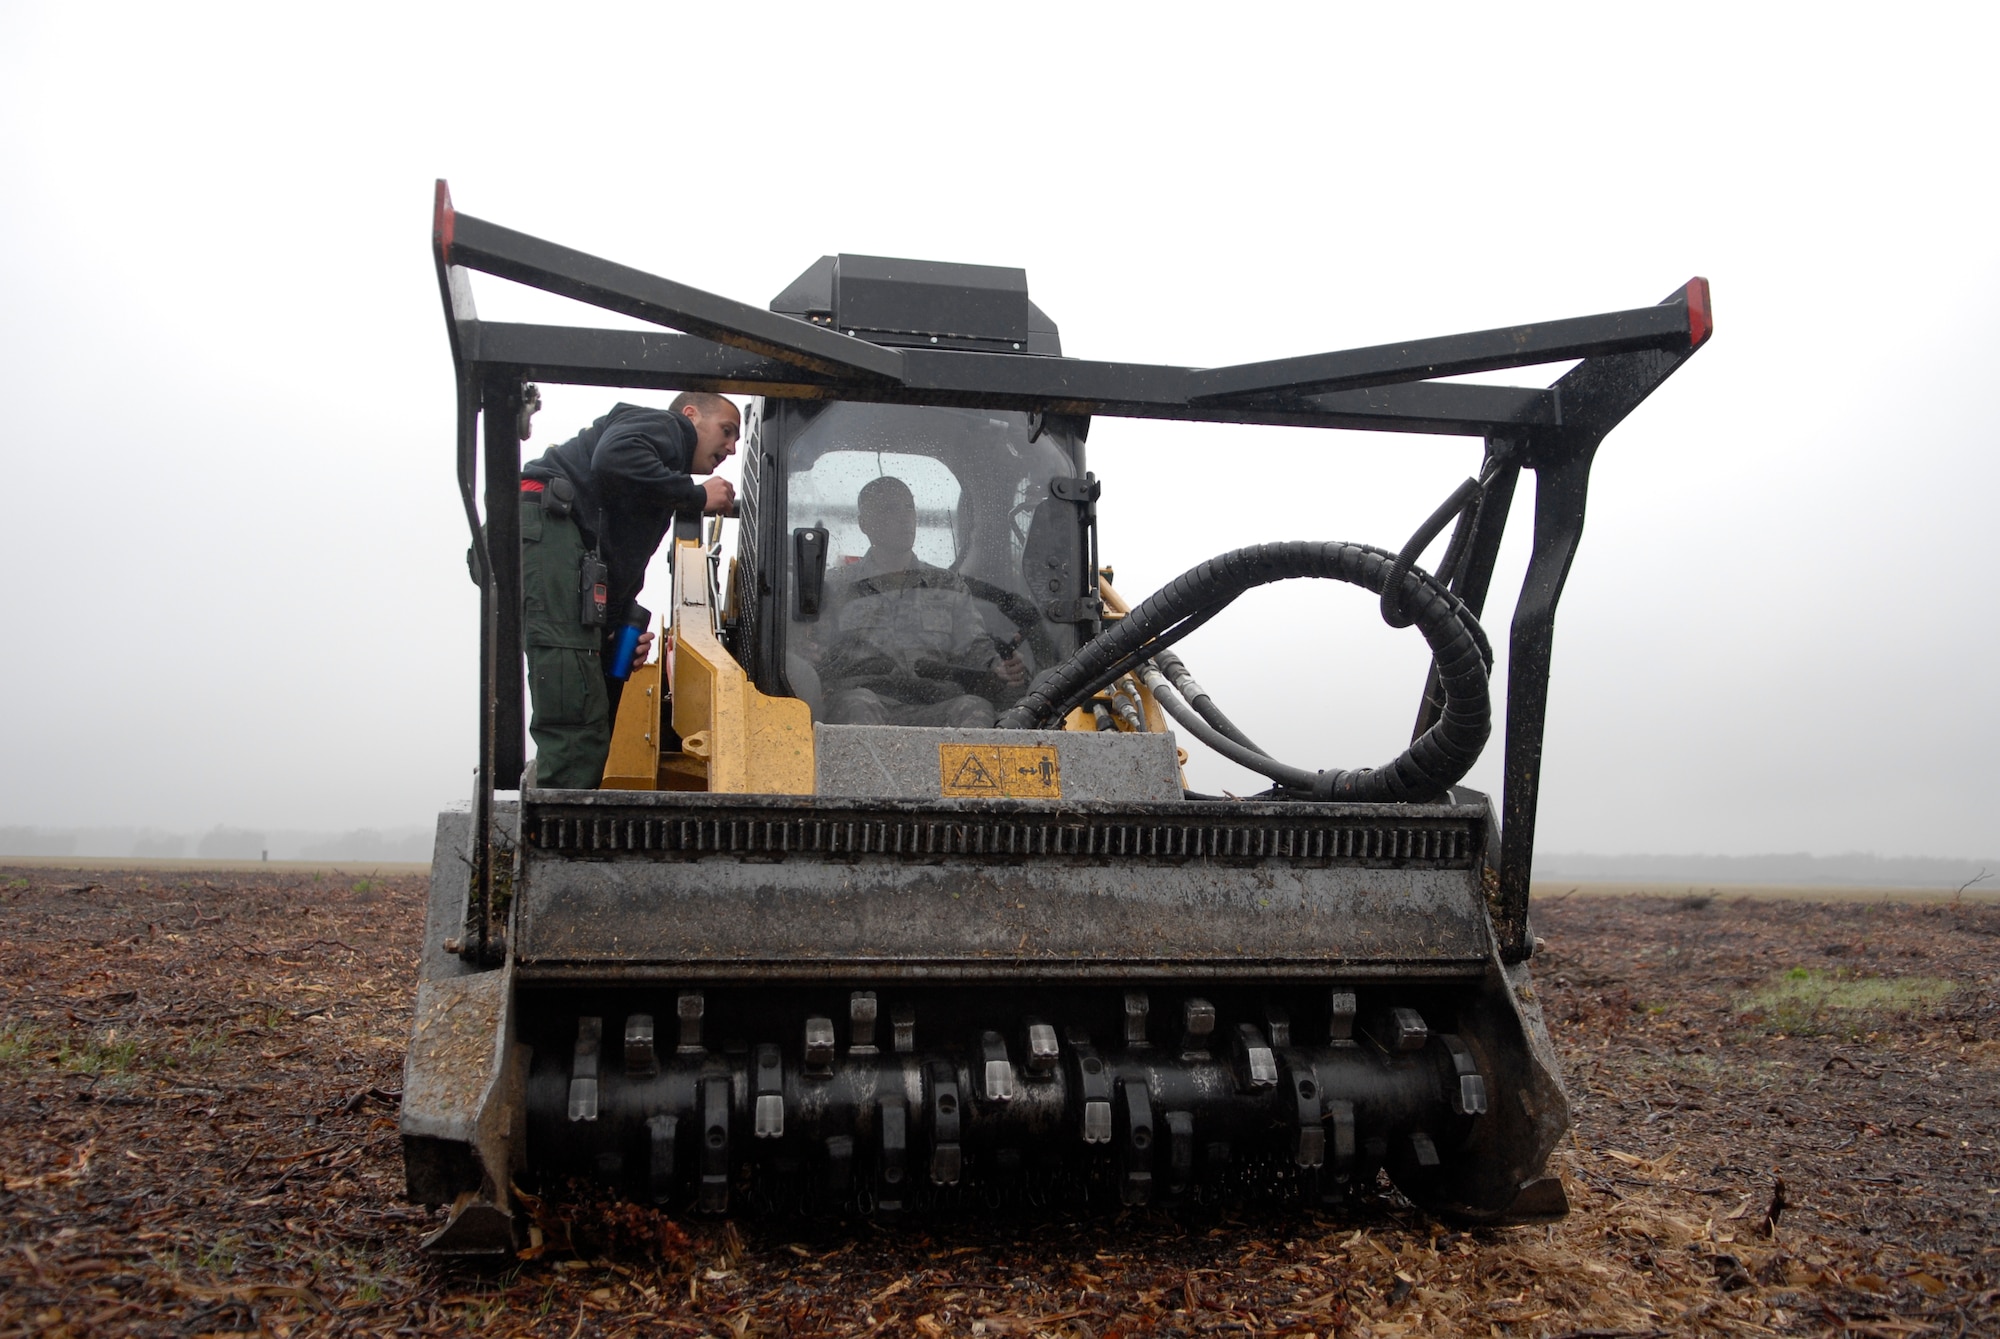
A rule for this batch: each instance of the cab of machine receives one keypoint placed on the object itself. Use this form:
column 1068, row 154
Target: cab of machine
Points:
column 947, row 625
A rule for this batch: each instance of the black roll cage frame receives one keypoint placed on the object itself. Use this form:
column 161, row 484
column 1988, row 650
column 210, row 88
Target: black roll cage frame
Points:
column 716, row 344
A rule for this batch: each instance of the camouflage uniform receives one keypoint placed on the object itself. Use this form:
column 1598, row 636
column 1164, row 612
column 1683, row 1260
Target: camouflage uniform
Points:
column 903, row 646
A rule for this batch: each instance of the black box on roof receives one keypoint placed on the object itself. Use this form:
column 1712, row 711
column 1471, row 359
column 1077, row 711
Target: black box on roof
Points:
column 880, row 295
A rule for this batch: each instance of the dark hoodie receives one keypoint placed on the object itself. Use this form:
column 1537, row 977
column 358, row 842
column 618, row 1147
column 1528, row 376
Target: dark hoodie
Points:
column 630, row 470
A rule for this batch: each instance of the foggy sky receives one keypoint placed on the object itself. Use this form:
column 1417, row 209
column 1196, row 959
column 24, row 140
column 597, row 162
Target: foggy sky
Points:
column 232, row 567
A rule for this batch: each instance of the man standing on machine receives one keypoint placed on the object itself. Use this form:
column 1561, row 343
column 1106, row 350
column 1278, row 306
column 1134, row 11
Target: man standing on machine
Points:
column 909, row 647
column 593, row 512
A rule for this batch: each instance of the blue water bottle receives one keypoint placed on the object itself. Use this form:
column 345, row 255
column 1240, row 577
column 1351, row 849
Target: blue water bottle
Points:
column 628, row 641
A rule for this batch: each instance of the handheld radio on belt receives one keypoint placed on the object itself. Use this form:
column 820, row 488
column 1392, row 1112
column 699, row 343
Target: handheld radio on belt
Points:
column 592, row 582
column 595, row 580
column 557, row 497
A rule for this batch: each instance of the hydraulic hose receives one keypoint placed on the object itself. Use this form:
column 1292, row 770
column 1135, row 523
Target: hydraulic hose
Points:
column 1438, row 758
column 1183, row 682
column 1297, row 778
column 1467, row 495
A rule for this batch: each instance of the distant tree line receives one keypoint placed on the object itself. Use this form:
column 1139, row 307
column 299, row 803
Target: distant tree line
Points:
column 1852, row 870
column 219, row 843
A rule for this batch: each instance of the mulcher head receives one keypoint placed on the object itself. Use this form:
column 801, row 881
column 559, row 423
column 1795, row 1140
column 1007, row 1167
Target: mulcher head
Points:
column 824, row 1004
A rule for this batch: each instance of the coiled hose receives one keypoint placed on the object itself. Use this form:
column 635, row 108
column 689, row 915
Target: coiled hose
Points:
column 1438, row 758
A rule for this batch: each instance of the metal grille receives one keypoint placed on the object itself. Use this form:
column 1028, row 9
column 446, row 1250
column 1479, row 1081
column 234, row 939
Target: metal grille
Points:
column 1444, row 843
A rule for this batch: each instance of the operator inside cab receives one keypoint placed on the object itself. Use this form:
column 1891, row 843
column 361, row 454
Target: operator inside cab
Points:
column 906, row 644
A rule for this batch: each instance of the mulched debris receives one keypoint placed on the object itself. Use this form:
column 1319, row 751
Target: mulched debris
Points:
column 1787, row 1117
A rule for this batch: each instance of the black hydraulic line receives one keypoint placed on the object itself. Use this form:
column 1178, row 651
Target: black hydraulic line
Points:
column 1467, row 566
column 1184, row 683
column 1461, row 541
column 1128, row 711
column 1154, row 645
column 1432, row 763
column 1462, row 498
column 1171, row 702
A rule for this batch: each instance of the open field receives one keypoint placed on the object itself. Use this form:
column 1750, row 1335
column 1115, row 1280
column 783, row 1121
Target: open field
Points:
column 198, row 1075
column 1549, row 891
column 197, row 866
column 1546, row 889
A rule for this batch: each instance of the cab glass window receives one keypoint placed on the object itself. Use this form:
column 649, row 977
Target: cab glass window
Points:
column 950, row 572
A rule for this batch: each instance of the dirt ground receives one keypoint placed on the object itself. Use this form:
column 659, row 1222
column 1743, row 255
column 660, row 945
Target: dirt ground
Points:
column 198, row 1089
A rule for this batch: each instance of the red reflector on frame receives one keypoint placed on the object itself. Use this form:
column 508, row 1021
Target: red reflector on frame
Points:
column 1701, row 321
column 444, row 221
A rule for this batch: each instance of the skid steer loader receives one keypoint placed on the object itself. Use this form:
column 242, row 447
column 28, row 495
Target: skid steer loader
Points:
column 857, row 922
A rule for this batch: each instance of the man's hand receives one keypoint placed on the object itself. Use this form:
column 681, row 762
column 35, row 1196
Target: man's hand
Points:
column 721, row 496
column 643, row 652
column 1010, row 669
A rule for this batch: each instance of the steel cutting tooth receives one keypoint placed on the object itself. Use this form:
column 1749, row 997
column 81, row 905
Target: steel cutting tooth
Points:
column 1340, row 1116
column 1197, row 1022
column 1340, row 1023
column 1470, row 1099
column 946, row 1160
column 1043, row 1051
column 1309, row 1150
column 660, row 1132
column 1136, row 1178
column 1257, row 1068
column 714, row 1145
column 691, row 1007
column 892, row 1120
column 1278, row 1024
column 1137, row 1006
column 770, row 1110
column 819, row 1047
column 640, row 1060
column 999, row 1069
column 1093, row 1084
column 861, row 1022
column 583, row 1069
column 1404, row 1030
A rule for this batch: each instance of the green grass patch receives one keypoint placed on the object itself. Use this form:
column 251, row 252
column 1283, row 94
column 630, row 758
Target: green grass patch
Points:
column 20, row 1043
column 98, row 1055
column 1816, row 1002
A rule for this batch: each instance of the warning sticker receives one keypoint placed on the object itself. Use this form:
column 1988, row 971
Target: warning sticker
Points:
column 999, row 771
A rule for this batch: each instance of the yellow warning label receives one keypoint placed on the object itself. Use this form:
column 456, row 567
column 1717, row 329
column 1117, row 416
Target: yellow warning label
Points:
column 1000, row 771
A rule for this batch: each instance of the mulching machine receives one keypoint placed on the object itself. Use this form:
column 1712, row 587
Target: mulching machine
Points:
column 786, row 962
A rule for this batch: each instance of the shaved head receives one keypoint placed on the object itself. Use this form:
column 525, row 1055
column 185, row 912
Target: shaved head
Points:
column 717, row 425
column 706, row 401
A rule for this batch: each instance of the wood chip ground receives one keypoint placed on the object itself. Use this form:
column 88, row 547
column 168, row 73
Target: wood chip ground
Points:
column 198, row 1088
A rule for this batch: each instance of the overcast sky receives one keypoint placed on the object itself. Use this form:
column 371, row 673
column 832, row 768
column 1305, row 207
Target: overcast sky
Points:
column 231, row 569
